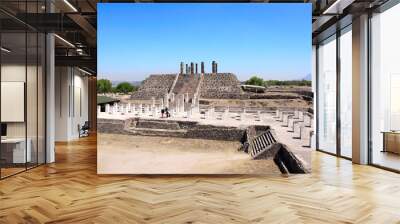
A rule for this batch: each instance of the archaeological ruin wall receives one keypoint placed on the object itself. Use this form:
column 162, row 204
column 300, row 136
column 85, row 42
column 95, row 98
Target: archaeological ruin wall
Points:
column 220, row 86
column 156, row 86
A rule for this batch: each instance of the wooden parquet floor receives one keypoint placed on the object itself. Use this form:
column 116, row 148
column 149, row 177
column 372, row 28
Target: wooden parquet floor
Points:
column 69, row 191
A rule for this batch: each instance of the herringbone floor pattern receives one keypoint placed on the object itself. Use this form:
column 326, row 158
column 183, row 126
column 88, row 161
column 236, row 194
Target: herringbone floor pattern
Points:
column 69, row 191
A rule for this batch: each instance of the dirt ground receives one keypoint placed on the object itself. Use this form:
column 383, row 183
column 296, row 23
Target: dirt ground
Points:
column 129, row 154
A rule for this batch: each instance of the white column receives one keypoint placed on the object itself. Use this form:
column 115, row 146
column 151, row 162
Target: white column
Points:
column 124, row 108
column 50, row 96
column 115, row 109
column 108, row 108
column 166, row 100
column 133, row 108
column 140, row 109
column 188, row 113
column 182, row 98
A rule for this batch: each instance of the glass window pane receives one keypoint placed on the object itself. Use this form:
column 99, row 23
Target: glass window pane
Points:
column 327, row 95
column 13, row 86
column 31, row 97
column 346, row 93
column 385, row 88
column 41, row 98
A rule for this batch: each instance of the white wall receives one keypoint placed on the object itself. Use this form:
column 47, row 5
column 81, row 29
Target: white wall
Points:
column 71, row 102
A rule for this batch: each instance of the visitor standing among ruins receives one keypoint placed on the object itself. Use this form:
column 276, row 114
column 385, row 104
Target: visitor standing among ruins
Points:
column 167, row 112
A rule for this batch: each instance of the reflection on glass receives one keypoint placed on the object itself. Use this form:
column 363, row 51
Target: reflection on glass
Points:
column 31, row 97
column 41, row 98
column 327, row 95
column 15, row 151
column 22, row 91
column 346, row 92
column 385, row 92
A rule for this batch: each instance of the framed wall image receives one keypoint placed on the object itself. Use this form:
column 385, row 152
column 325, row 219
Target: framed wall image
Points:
column 204, row 88
column 12, row 101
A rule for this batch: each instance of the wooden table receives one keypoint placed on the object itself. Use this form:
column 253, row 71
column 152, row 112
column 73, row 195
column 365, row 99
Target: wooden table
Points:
column 18, row 152
column 391, row 141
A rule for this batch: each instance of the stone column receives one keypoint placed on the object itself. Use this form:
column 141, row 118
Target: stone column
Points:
column 191, row 68
column 187, row 97
column 126, row 108
column 108, row 108
column 130, row 108
column 182, row 109
column 202, row 67
column 122, row 109
column 216, row 67
column 115, row 109
column 188, row 113
column 140, row 109
column 153, row 102
column 213, row 67
column 197, row 71
column 133, row 108
column 166, row 100
column 177, row 105
column 187, row 69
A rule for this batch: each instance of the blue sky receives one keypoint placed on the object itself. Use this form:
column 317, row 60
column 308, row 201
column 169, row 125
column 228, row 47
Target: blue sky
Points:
column 272, row 41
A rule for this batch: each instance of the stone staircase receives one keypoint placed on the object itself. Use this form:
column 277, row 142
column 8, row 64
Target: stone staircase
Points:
column 265, row 146
column 186, row 83
column 261, row 144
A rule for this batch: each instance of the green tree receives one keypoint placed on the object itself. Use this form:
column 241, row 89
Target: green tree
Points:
column 124, row 87
column 287, row 83
column 104, row 86
column 254, row 80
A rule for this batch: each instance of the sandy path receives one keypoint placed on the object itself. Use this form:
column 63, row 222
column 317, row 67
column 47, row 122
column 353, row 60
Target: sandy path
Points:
column 127, row 154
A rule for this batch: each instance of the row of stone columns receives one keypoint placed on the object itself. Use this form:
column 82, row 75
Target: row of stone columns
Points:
column 192, row 68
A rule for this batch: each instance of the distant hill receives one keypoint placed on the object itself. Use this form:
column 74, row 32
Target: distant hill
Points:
column 307, row 77
column 134, row 83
